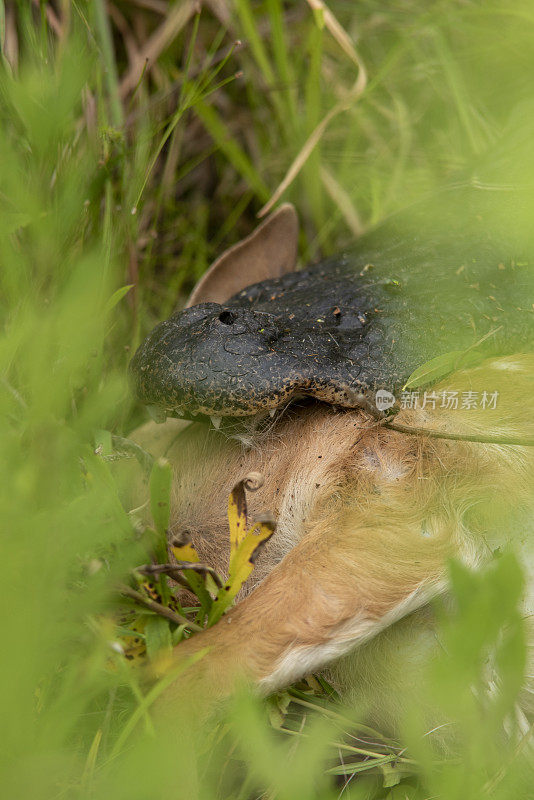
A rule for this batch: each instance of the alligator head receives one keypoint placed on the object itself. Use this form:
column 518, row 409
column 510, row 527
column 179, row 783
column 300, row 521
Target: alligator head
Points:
column 257, row 334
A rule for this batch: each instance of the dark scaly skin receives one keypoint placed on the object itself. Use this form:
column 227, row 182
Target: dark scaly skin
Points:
column 409, row 291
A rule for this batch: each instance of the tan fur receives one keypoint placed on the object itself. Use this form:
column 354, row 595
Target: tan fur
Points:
column 367, row 518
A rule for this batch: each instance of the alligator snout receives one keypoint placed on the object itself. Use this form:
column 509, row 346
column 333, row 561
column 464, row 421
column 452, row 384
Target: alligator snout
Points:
column 196, row 357
column 226, row 321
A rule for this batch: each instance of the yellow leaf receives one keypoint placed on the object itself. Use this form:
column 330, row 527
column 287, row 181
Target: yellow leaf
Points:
column 243, row 558
column 237, row 516
column 185, row 552
column 245, row 547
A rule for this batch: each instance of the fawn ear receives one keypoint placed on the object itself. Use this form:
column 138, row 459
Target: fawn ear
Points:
column 270, row 251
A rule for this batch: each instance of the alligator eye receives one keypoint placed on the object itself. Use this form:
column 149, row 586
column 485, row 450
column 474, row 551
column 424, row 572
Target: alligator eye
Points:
column 227, row 318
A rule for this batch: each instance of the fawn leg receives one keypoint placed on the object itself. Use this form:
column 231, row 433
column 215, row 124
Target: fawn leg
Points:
column 337, row 588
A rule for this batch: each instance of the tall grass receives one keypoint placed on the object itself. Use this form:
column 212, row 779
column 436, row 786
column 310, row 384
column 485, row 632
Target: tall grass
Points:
column 120, row 179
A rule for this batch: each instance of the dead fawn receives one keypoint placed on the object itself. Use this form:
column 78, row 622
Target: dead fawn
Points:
column 367, row 518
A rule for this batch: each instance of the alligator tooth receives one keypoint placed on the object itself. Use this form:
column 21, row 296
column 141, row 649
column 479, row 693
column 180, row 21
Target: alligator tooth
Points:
column 216, row 422
column 272, row 412
column 157, row 413
column 245, row 440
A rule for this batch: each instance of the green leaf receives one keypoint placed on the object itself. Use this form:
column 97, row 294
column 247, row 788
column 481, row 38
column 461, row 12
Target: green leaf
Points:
column 160, row 507
column 361, row 766
column 157, row 637
column 178, row 634
column 431, row 371
column 12, row 221
column 103, row 443
column 403, row 792
column 198, row 587
column 197, row 583
column 117, row 296
column 318, row 16
column 160, row 492
column 390, row 775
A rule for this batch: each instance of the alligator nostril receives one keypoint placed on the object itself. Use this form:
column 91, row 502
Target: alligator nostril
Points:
column 227, row 318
